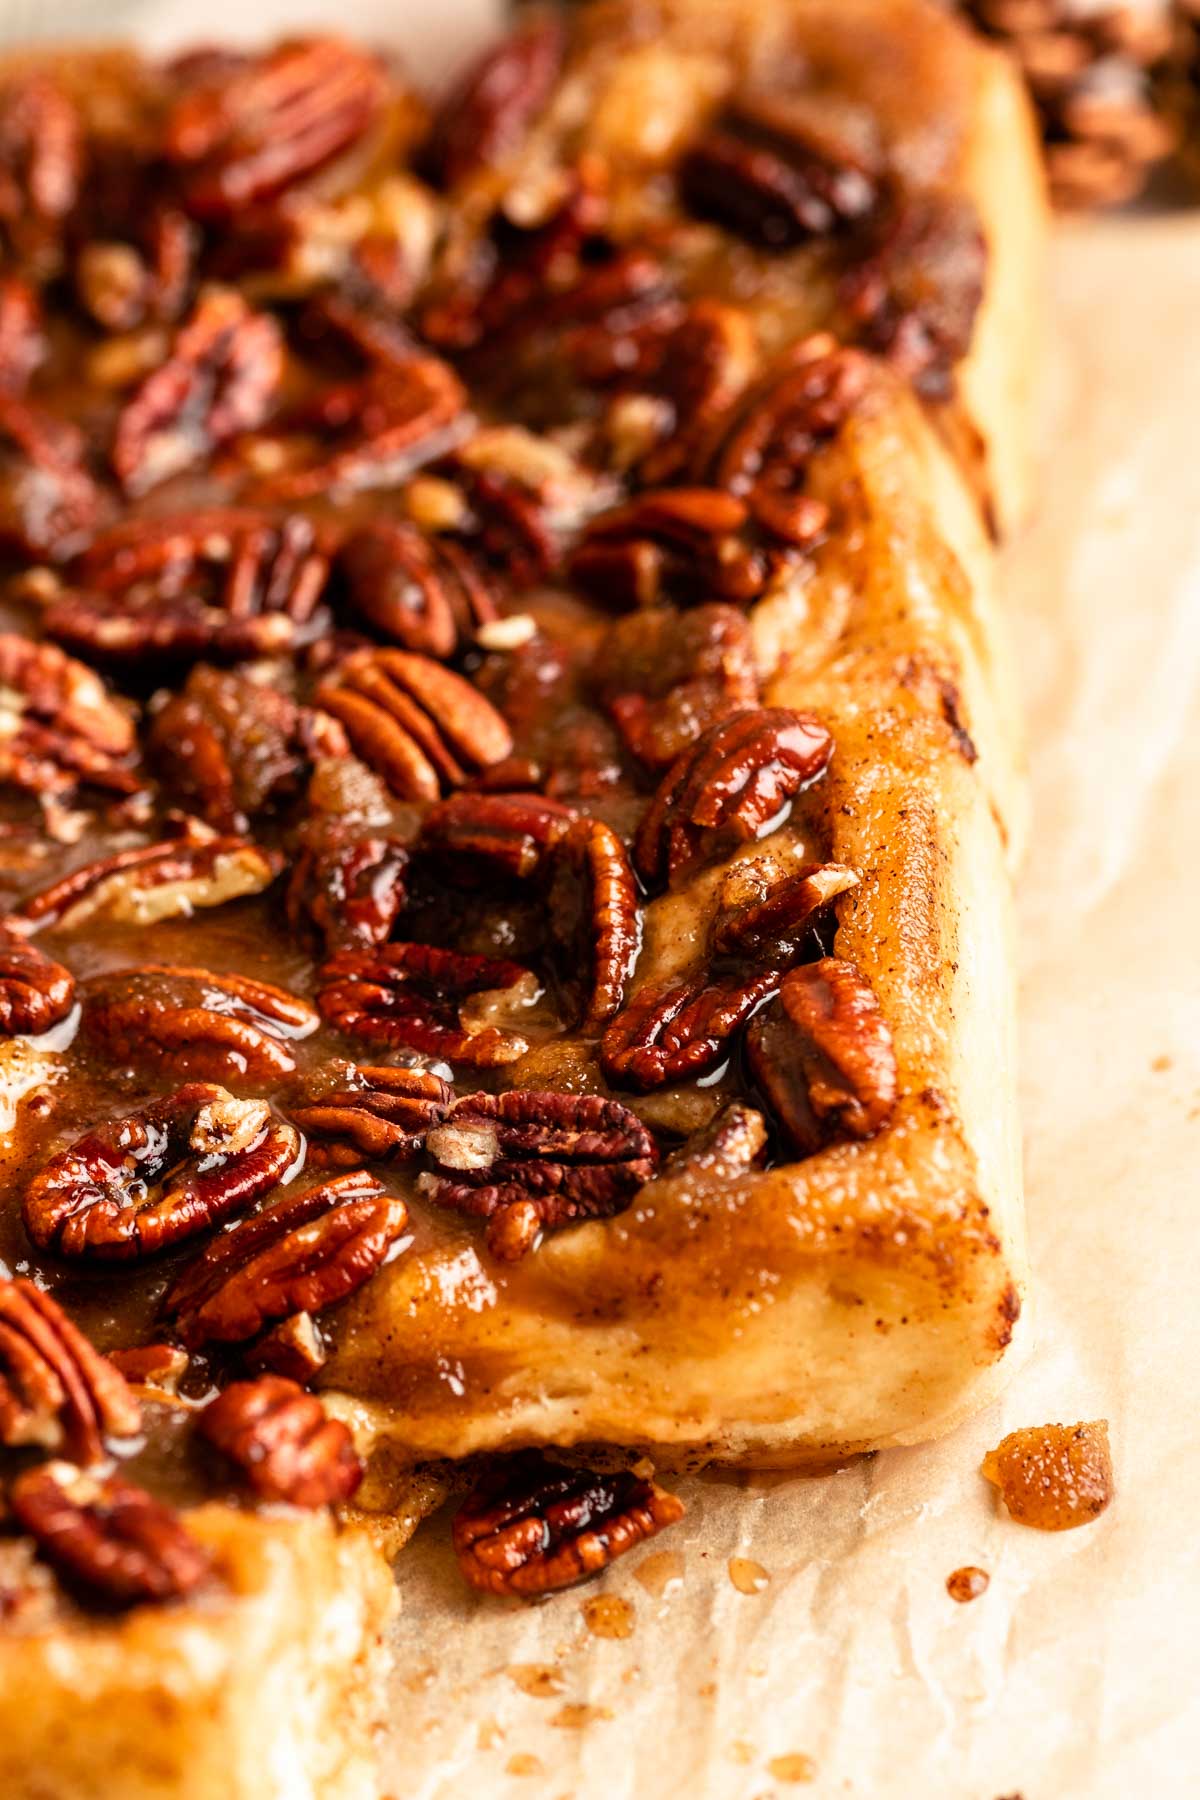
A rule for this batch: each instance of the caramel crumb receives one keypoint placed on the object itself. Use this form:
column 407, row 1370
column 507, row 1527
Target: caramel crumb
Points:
column 660, row 1573
column 608, row 1616
column 967, row 1583
column 489, row 1734
column 574, row 1716
column 524, row 1764
column 748, row 1577
column 1053, row 1477
column 793, row 1767
column 740, row 1751
column 540, row 1680
column 1161, row 1064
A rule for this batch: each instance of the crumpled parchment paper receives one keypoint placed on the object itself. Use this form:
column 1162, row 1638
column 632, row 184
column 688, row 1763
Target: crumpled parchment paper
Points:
column 837, row 1664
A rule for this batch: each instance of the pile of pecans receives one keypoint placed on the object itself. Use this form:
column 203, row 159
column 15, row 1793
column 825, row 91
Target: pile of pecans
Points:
column 381, row 527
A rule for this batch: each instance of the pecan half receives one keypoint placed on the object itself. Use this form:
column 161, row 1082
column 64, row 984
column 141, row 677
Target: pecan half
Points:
column 257, row 125
column 59, row 729
column 425, row 594
column 595, row 919
column 479, row 837
column 534, row 1526
column 229, row 584
column 694, row 373
column 419, row 725
column 156, row 881
column 194, row 1022
column 106, row 1535
column 136, row 1185
column 354, row 1114
column 412, row 995
column 675, row 1030
column 349, row 885
column 665, row 677
column 220, row 379
column 56, row 1391
column 780, row 169
column 49, row 504
column 282, row 1441
column 761, row 450
column 681, row 544
column 35, row 992
column 530, row 1162
column 303, row 1253
column 767, row 905
column 127, row 285
column 728, row 788
column 231, row 749
column 41, row 156
column 22, row 339
column 823, row 1056
column 485, row 117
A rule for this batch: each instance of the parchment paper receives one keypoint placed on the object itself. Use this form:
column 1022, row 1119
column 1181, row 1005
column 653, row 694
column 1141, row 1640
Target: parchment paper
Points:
column 1074, row 1676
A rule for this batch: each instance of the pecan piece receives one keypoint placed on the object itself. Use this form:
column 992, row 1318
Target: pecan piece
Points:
column 49, row 504
column 425, row 594
column 348, row 884
column 59, row 729
column 106, row 1535
column 729, row 787
column 354, row 1114
column 595, row 919
column 282, row 1441
column 22, row 340
column 136, row 1185
column 156, row 881
column 530, row 1162
column 485, row 117
column 303, row 1253
column 535, row 1526
column 419, row 725
column 681, row 544
column 675, row 1030
column 477, row 837
column 731, row 1143
column 127, row 285
column 767, row 906
column 228, row 584
column 824, row 1057
column 56, row 1391
column 41, row 155
column 194, row 1022
column 257, row 125
column 760, row 451
column 697, row 370
column 780, row 169
column 412, row 995
column 220, row 379
column 665, row 677
column 35, row 991
column 231, row 749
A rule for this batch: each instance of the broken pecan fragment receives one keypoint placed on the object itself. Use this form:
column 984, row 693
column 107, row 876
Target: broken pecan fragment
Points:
column 127, row 285
column 412, row 995
column 59, row 729
column 531, row 1162
column 229, row 584
column 354, row 1114
column 194, row 1022
column 761, row 450
column 136, row 1185
column 35, row 991
column 1053, row 1477
column 106, row 1535
column 484, row 118
column 282, row 1441
column 767, row 905
column 49, row 504
column 230, row 749
column 303, row 1253
column 220, row 379
column 156, row 881
column 535, row 1526
column 22, row 340
column 782, row 168
column 675, row 1030
column 823, row 1056
column 477, row 837
column 259, row 124
column 41, row 155
column 728, row 788
column 681, row 544
column 425, row 594
column 595, row 919
column 56, row 1391
column 348, row 884
column 665, row 677
column 419, row 725
column 729, row 1145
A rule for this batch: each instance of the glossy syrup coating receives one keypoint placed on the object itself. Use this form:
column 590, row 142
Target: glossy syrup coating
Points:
column 1053, row 1477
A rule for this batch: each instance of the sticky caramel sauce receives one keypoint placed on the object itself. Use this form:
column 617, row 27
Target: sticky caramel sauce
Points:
column 1053, row 1477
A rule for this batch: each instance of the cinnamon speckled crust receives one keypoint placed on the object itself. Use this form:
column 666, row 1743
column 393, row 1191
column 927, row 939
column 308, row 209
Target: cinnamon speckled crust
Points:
column 875, row 1293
